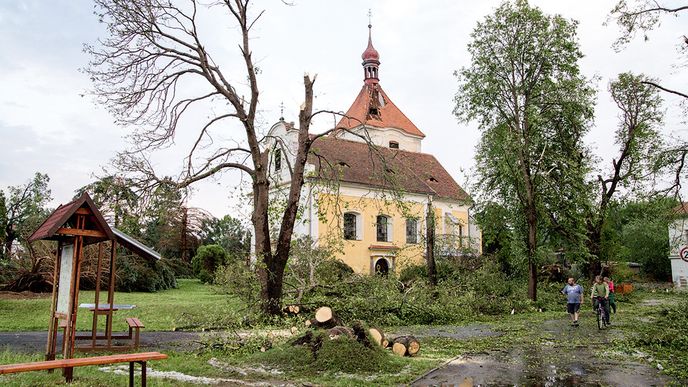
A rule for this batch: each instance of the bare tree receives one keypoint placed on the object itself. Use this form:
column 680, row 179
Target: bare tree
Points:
column 154, row 68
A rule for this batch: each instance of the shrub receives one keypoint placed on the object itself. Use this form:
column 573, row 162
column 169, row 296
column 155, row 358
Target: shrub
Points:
column 207, row 259
column 135, row 274
column 240, row 280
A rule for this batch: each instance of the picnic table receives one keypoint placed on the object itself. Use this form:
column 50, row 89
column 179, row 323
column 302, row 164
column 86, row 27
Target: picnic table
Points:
column 107, row 309
column 92, row 307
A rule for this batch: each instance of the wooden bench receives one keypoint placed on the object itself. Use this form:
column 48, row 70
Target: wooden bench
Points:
column 135, row 326
column 130, row 358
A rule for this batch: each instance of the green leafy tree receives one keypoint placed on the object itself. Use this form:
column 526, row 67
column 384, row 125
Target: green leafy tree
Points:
column 206, row 261
column 638, row 139
column 115, row 197
column 229, row 233
column 637, row 231
column 25, row 210
column 525, row 90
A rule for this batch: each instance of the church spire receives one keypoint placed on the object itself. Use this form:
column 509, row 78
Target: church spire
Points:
column 371, row 59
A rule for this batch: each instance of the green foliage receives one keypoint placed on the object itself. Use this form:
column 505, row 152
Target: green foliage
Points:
column 465, row 292
column 637, row 231
column 115, row 196
column 25, row 210
column 206, row 261
column 667, row 338
column 135, row 274
column 229, row 233
column 525, row 89
column 238, row 279
column 341, row 355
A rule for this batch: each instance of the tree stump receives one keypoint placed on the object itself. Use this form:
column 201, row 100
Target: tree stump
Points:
column 325, row 318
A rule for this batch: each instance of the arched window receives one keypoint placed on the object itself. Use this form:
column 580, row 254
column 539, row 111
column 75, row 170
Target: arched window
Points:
column 278, row 159
column 411, row 230
column 384, row 228
column 382, row 267
column 353, row 226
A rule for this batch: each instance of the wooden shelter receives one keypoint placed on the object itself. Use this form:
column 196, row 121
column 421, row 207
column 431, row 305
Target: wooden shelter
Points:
column 74, row 226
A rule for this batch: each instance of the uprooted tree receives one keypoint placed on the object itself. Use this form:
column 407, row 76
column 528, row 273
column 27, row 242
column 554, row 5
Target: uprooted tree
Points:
column 155, row 67
column 525, row 89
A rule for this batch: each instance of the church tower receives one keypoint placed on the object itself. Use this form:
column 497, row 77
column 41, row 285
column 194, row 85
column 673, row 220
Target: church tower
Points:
column 374, row 115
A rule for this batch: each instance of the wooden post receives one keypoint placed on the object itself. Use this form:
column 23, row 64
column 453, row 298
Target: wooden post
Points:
column 52, row 328
column 111, row 294
column 74, row 297
column 94, row 329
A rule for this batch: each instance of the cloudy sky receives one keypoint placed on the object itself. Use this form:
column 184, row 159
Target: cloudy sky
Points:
column 49, row 123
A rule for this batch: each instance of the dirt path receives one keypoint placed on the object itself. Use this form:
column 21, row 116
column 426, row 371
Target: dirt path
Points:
column 554, row 354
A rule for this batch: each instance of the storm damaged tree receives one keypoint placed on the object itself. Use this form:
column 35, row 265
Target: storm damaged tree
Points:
column 642, row 16
column 154, row 68
column 533, row 106
column 638, row 139
column 25, row 209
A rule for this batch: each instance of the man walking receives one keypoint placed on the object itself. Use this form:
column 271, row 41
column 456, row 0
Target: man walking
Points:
column 574, row 296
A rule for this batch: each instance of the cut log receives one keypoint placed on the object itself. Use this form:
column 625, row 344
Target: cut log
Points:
column 399, row 349
column 325, row 318
column 340, row 331
column 377, row 335
column 311, row 323
column 385, row 343
column 406, row 345
column 291, row 309
column 293, row 330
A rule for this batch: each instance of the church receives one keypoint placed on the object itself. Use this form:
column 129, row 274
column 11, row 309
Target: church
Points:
column 369, row 186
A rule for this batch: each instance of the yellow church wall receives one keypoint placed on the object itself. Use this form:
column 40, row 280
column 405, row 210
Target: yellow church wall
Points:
column 358, row 253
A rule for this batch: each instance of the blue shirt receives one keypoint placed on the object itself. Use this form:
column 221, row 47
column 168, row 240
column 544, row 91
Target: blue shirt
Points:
column 573, row 293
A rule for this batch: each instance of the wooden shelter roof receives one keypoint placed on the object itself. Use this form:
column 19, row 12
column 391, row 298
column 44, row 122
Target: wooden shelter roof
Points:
column 60, row 225
column 135, row 246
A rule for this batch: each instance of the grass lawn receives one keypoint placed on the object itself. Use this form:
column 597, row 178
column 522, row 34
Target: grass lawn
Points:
column 184, row 307
column 538, row 338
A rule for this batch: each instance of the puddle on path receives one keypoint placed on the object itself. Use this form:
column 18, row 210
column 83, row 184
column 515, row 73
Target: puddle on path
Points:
column 563, row 356
column 537, row 366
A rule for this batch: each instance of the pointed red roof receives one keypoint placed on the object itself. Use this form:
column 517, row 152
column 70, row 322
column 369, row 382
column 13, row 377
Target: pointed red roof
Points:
column 373, row 107
column 64, row 216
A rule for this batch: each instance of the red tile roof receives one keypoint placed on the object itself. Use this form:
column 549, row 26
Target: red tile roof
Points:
column 63, row 214
column 373, row 107
column 348, row 161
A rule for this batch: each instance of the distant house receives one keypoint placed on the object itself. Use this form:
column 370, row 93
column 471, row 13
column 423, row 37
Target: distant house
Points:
column 678, row 246
column 368, row 185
